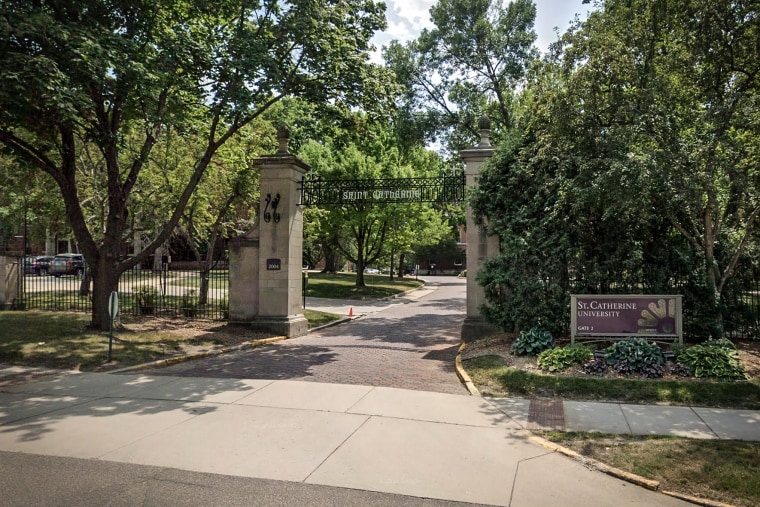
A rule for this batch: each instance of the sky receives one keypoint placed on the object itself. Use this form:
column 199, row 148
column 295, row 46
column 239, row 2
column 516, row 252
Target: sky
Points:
column 406, row 18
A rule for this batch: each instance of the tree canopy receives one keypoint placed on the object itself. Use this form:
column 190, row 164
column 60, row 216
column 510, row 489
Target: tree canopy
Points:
column 471, row 63
column 637, row 169
column 89, row 88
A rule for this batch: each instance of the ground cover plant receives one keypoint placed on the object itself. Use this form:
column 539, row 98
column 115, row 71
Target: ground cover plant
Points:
column 532, row 342
column 568, row 373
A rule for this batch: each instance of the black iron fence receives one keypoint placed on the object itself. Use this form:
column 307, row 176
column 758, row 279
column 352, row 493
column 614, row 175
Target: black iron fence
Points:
column 166, row 292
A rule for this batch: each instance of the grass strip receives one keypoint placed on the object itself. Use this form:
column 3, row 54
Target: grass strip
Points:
column 493, row 378
column 720, row 470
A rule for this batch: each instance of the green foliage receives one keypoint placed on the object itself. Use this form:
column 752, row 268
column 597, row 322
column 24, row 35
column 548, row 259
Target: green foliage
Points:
column 634, row 167
column 94, row 92
column 469, row 63
column 145, row 297
column 714, row 362
column 721, row 343
column 190, row 303
column 635, row 356
column 360, row 230
column 561, row 358
column 532, row 342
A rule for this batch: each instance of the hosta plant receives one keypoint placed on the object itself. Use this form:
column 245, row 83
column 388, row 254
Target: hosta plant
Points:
column 561, row 358
column 714, row 362
column 532, row 342
column 721, row 343
column 629, row 356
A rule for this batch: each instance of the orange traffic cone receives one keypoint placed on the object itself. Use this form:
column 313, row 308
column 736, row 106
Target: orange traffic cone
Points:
column 351, row 312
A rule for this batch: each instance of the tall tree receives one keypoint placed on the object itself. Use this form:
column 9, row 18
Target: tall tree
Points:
column 639, row 159
column 468, row 65
column 365, row 232
column 80, row 76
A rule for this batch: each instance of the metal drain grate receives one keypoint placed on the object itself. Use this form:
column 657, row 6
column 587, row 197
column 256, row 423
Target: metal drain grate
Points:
column 546, row 415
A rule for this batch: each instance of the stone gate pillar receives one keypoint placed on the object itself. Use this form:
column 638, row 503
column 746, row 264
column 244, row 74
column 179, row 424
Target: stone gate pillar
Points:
column 265, row 264
column 479, row 245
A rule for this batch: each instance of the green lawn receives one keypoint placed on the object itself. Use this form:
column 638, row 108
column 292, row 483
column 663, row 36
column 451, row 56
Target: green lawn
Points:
column 343, row 286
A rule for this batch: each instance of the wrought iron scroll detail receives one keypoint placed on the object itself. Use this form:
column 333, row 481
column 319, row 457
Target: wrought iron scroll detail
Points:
column 272, row 202
column 443, row 189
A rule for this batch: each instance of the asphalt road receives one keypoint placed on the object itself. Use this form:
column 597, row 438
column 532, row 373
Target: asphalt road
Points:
column 411, row 344
column 28, row 479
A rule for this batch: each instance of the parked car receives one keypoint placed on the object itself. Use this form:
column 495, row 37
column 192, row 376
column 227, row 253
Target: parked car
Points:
column 39, row 265
column 372, row 271
column 67, row 264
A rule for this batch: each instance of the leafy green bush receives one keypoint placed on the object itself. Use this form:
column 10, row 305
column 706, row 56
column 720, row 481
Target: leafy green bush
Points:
column 715, row 362
column 677, row 349
column 561, row 358
column 532, row 342
column 629, row 356
column 190, row 303
column 146, row 296
column 721, row 343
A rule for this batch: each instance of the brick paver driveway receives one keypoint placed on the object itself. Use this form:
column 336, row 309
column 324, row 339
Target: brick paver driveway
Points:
column 409, row 345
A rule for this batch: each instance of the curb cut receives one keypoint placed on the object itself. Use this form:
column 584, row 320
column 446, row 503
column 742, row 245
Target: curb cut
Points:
column 200, row 355
column 462, row 374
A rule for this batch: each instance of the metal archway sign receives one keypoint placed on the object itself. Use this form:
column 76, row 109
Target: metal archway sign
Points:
column 441, row 189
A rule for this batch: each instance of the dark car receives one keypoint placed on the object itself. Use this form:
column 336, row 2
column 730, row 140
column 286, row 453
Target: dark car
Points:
column 39, row 265
column 67, row 264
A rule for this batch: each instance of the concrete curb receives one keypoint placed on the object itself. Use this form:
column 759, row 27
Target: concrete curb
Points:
column 696, row 500
column 462, row 374
column 588, row 462
column 596, row 465
column 190, row 357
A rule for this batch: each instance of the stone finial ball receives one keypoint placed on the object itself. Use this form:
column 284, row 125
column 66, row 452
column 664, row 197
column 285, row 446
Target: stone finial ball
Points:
column 484, row 123
column 283, row 138
column 283, row 132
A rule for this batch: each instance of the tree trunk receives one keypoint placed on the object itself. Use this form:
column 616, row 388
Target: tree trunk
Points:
column 331, row 258
column 401, row 260
column 203, row 292
column 391, row 276
column 106, row 280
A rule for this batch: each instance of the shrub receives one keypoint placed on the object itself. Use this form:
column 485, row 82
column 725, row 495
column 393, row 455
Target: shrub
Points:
column 146, row 296
column 532, row 342
column 721, row 343
column 190, row 303
column 629, row 356
column 715, row 362
column 561, row 358
column 677, row 349
column 595, row 366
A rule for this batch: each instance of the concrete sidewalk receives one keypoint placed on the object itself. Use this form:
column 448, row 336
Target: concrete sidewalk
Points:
column 422, row 444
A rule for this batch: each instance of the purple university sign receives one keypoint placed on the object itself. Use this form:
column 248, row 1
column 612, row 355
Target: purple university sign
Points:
column 622, row 316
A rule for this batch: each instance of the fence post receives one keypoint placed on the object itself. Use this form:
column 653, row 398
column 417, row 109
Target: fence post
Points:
column 11, row 290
